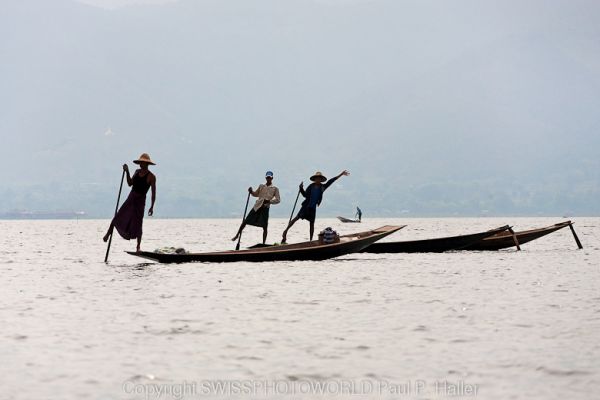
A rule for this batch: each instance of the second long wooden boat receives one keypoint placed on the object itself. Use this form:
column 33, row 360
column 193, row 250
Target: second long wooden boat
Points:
column 348, row 220
column 437, row 245
column 289, row 252
column 503, row 240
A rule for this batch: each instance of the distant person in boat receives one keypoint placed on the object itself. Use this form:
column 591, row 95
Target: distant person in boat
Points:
column 130, row 216
column 267, row 194
column 313, row 195
column 358, row 214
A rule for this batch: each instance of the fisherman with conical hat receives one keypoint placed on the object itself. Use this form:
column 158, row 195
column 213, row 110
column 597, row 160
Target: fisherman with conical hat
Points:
column 313, row 195
column 130, row 216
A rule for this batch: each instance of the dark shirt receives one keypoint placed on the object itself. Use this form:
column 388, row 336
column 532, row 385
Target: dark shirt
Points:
column 140, row 183
column 314, row 193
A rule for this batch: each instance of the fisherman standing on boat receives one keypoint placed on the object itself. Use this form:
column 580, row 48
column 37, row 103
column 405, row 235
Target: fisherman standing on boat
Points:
column 130, row 216
column 313, row 195
column 267, row 194
column 358, row 213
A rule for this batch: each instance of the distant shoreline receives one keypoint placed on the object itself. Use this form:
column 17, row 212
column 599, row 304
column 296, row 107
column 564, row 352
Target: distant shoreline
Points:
column 41, row 215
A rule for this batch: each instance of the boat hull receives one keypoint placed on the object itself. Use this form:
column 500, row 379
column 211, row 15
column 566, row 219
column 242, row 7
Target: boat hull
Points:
column 437, row 245
column 307, row 251
column 505, row 240
column 348, row 220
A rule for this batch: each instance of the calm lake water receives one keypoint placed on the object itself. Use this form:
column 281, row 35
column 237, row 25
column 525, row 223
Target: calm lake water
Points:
column 500, row 325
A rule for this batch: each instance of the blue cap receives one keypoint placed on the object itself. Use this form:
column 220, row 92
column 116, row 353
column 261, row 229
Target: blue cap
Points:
column 269, row 173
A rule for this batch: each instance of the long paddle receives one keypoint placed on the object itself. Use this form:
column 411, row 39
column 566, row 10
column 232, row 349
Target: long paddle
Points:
column 514, row 236
column 237, row 246
column 292, row 214
column 575, row 236
column 294, row 209
column 116, row 209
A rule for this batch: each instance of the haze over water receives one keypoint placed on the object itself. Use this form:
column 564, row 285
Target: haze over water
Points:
column 520, row 325
column 445, row 108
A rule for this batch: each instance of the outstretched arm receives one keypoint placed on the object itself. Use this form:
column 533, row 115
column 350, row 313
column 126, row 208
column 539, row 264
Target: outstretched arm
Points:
column 330, row 182
column 343, row 173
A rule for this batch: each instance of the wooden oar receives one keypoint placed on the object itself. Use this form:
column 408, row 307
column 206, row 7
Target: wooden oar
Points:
column 294, row 209
column 237, row 246
column 514, row 236
column 575, row 236
column 116, row 209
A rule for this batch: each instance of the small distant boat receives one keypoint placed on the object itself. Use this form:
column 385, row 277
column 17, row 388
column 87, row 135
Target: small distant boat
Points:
column 348, row 220
column 503, row 240
column 289, row 252
column 437, row 245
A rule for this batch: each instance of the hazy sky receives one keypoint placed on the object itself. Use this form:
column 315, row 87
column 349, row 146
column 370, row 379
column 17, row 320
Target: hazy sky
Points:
column 115, row 4
column 436, row 107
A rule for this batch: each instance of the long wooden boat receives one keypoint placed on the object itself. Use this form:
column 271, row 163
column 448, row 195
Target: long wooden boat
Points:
column 503, row 240
column 348, row 220
column 289, row 252
column 437, row 245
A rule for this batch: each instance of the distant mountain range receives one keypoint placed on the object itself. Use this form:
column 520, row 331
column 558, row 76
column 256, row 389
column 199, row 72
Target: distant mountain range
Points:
column 437, row 108
column 43, row 215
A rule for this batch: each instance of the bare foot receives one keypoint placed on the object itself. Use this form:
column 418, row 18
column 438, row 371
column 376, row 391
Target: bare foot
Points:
column 284, row 239
column 233, row 239
column 105, row 238
column 137, row 250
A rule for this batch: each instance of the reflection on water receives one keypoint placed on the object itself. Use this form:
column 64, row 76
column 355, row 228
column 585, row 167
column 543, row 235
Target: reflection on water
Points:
column 517, row 324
